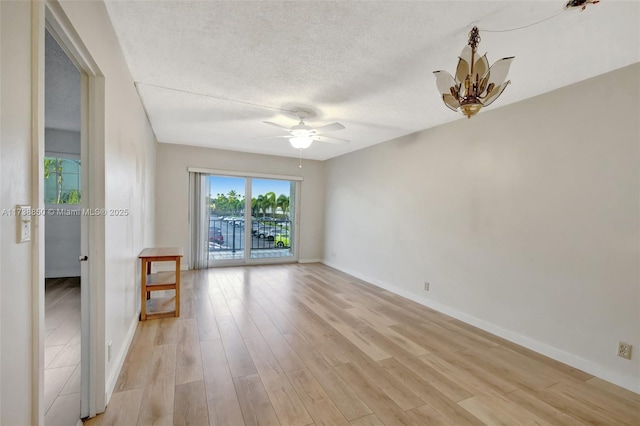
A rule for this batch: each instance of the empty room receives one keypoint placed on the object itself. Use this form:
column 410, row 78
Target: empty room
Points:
column 320, row 212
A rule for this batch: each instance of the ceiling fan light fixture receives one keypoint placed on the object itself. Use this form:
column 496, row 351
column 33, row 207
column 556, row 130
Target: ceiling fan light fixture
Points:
column 475, row 84
column 301, row 142
column 302, row 136
column 300, row 133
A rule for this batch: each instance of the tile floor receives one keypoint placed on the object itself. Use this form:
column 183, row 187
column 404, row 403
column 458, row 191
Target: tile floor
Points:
column 62, row 352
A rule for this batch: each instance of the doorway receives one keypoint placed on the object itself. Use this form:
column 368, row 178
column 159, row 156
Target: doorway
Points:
column 273, row 216
column 226, row 205
column 63, row 170
column 50, row 21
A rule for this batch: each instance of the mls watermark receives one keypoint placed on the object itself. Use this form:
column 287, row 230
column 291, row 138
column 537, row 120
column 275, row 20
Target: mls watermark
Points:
column 65, row 212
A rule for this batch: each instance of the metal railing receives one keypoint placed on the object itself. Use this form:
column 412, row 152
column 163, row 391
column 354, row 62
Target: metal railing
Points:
column 228, row 234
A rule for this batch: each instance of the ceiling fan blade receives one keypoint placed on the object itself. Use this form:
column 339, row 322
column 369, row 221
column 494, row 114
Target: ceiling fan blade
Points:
column 330, row 139
column 329, row 128
column 277, row 125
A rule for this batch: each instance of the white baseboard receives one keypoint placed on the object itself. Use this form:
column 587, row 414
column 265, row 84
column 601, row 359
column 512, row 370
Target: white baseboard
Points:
column 310, row 261
column 575, row 361
column 119, row 359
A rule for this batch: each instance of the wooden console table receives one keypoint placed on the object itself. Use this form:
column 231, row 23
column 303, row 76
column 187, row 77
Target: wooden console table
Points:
column 159, row 307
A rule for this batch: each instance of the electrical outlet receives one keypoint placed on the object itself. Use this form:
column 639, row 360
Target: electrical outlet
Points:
column 109, row 351
column 426, row 286
column 624, row 350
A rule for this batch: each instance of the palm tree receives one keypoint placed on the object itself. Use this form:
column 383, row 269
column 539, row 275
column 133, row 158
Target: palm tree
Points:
column 54, row 165
column 234, row 201
column 260, row 204
column 255, row 207
column 270, row 201
column 221, row 203
column 283, row 203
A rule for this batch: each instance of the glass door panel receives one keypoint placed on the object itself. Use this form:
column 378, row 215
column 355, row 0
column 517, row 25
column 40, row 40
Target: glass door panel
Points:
column 226, row 201
column 272, row 218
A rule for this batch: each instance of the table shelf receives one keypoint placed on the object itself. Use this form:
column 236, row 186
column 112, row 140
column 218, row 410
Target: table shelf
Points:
column 161, row 281
column 161, row 307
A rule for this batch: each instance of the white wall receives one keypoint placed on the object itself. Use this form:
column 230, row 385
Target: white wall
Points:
column 1, row 226
column 62, row 241
column 524, row 219
column 62, row 232
column 129, row 165
column 172, row 216
column 15, row 259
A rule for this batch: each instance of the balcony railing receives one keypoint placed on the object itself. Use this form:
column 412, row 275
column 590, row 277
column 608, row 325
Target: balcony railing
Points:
column 266, row 234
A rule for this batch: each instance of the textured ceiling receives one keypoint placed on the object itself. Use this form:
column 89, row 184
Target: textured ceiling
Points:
column 367, row 65
column 62, row 89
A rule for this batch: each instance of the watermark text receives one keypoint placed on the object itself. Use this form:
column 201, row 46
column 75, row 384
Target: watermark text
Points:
column 51, row 211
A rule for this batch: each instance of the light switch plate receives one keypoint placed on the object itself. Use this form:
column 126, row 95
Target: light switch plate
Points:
column 24, row 223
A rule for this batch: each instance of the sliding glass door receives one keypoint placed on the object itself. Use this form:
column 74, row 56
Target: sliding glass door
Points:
column 272, row 218
column 242, row 219
column 226, row 202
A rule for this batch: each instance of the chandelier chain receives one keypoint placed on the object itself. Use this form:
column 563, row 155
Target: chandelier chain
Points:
column 525, row 26
column 474, row 38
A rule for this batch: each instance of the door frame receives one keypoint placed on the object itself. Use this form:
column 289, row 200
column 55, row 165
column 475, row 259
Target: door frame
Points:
column 296, row 225
column 50, row 15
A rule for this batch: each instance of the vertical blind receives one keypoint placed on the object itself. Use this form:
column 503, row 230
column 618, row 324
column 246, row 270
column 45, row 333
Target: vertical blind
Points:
column 199, row 220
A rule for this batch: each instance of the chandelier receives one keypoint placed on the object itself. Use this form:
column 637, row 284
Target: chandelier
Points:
column 475, row 85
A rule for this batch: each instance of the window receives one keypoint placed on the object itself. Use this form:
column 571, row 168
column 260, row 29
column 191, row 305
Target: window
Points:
column 242, row 218
column 61, row 180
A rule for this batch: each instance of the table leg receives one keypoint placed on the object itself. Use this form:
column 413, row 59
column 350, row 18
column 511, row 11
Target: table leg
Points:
column 143, row 289
column 148, row 273
column 178, row 287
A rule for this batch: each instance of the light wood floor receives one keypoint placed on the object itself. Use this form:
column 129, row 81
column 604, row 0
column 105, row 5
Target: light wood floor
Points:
column 306, row 344
column 62, row 352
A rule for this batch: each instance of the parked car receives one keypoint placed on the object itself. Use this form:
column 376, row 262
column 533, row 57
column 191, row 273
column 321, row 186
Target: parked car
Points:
column 215, row 235
column 256, row 226
column 263, row 231
column 274, row 232
column 284, row 224
column 231, row 218
column 282, row 240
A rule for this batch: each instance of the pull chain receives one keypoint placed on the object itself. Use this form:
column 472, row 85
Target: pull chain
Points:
column 300, row 165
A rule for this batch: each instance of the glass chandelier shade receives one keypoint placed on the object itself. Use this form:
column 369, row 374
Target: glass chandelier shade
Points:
column 301, row 142
column 475, row 84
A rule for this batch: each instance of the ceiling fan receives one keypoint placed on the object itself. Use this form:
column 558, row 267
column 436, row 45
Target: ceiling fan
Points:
column 301, row 135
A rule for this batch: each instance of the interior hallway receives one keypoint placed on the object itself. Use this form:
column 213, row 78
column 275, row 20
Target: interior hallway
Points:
column 62, row 351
